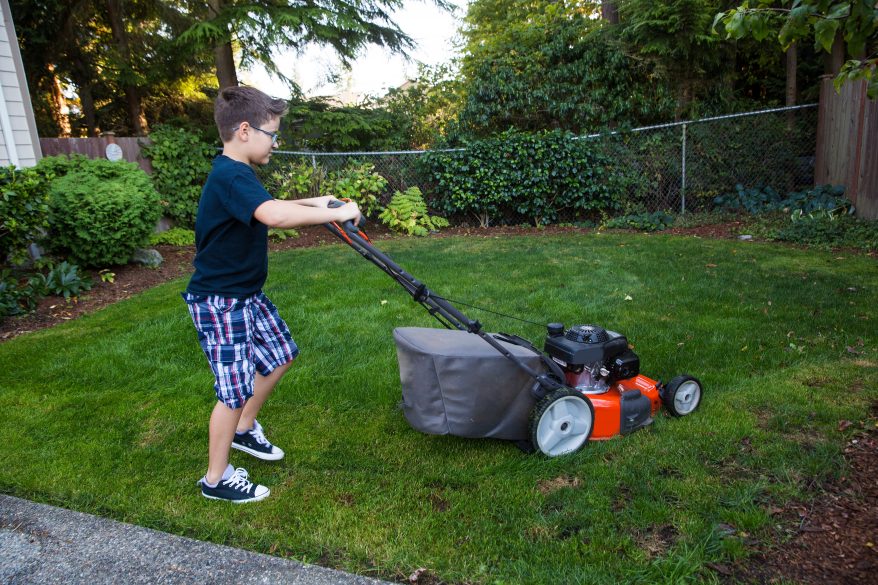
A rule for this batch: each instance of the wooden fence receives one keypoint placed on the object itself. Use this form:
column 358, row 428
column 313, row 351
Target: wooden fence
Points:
column 97, row 148
column 847, row 144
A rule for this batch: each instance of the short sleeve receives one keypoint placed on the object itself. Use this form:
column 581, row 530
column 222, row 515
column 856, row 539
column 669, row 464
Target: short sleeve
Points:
column 245, row 194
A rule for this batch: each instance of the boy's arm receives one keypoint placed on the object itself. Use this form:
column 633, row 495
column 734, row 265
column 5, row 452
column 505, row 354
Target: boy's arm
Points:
column 322, row 201
column 293, row 214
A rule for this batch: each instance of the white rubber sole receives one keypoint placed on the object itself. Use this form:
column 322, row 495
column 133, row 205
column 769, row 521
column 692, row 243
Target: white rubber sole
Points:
column 259, row 454
column 247, row 501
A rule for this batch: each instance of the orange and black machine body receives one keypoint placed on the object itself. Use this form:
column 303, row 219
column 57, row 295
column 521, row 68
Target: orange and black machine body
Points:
column 601, row 365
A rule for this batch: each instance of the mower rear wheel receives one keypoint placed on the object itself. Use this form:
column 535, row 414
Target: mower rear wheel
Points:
column 561, row 422
column 682, row 395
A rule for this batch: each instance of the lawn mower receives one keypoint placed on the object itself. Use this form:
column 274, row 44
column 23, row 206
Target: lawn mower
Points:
column 585, row 385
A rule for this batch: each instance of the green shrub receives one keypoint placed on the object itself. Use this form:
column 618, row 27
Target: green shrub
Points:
column 649, row 222
column 827, row 230
column 524, row 176
column 765, row 199
column 358, row 182
column 280, row 235
column 100, row 211
column 20, row 294
column 24, row 211
column 298, row 180
column 65, row 280
column 407, row 213
column 181, row 161
column 173, row 237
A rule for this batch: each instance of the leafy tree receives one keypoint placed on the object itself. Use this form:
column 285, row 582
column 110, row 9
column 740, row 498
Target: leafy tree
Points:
column 116, row 56
column 850, row 25
column 544, row 64
column 255, row 29
column 425, row 107
column 674, row 35
column 320, row 126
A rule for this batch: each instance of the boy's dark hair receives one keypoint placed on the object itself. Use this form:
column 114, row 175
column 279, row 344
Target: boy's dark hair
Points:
column 244, row 104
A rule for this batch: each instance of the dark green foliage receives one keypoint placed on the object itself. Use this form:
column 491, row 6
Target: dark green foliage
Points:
column 407, row 213
column 20, row 293
column 359, row 182
column 648, row 222
column 24, row 212
column 315, row 125
column 827, row 198
column 173, row 237
column 356, row 180
column 65, row 280
column 524, row 176
column 562, row 74
column 295, row 180
column 819, row 229
column 100, row 212
column 824, row 230
column 181, row 161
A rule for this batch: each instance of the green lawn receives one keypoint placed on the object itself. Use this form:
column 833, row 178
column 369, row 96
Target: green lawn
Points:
column 108, row 413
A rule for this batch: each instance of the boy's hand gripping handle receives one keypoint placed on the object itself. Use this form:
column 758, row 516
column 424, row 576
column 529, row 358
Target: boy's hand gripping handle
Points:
column 347, row 227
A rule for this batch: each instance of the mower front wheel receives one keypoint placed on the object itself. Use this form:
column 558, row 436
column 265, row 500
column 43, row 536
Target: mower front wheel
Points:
column 561, row 422
column 682, row 395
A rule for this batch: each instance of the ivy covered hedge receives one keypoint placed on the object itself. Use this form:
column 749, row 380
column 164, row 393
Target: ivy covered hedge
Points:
column 523, row 177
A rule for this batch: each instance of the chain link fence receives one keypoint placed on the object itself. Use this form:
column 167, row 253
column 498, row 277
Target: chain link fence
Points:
column 679, row 167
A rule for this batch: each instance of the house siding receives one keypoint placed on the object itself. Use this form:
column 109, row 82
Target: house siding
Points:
column 18, row 135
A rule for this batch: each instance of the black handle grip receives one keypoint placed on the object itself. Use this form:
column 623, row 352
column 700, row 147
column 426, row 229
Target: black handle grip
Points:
column 348, row 225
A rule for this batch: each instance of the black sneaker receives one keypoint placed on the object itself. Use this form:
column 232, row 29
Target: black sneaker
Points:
column 236, row 489
column 255, row 443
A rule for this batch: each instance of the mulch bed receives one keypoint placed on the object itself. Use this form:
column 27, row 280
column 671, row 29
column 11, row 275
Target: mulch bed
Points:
column 834, row 540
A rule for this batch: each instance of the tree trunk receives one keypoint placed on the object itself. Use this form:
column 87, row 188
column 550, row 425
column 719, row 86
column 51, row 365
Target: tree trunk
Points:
column 792, row 83
column 136, row 118
column 835, row 59
column 86, row 100
column 225, row 66
column 609, row 11
column 223, row 56
column 59, row 105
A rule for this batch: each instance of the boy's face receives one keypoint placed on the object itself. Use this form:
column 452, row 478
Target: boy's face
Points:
column 259, row 142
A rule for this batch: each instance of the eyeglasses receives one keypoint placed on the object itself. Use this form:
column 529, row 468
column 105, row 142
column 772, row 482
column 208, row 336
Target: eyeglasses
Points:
column 273, row 135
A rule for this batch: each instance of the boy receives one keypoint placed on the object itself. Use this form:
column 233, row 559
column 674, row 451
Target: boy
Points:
column 248, row 345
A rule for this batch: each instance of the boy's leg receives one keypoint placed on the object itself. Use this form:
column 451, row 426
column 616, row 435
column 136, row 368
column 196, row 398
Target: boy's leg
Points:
column 223, row 421
column 262, row 387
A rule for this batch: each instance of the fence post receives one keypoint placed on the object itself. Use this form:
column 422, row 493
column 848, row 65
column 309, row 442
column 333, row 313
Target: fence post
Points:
column 683, row 181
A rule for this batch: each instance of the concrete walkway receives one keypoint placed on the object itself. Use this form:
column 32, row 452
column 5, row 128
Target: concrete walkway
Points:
column 42, row 544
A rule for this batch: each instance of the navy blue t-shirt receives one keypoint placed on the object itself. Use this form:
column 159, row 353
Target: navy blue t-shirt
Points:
column 231, row 246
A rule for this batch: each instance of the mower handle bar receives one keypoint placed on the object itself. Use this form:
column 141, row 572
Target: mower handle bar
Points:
column 444, row 312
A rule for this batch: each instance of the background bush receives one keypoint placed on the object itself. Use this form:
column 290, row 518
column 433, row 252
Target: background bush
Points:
column 518, row 176
column 24, row 212
column 100, row 211
column 407, row 213
column 181, row 161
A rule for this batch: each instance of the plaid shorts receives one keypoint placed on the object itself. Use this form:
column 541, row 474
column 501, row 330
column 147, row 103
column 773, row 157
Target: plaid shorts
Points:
column 240, row 337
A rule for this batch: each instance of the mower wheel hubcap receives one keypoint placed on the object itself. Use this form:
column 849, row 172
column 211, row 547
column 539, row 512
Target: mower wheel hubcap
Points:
column 564, row 426
column 687, row 397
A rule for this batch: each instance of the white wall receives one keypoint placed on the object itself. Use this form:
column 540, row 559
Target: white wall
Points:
column 19, row 143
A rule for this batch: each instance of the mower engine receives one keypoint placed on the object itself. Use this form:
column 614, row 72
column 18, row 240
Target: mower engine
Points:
column 600, row 364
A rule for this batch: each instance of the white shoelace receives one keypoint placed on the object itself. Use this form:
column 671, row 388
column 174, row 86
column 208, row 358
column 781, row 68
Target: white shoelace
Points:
column 259, row 435
column 239, row 481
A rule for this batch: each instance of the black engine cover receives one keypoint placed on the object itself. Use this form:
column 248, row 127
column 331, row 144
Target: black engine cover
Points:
column 597, row 346
column 625, row 365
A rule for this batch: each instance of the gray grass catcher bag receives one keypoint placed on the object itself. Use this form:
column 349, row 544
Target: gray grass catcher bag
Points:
column 454, row 383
